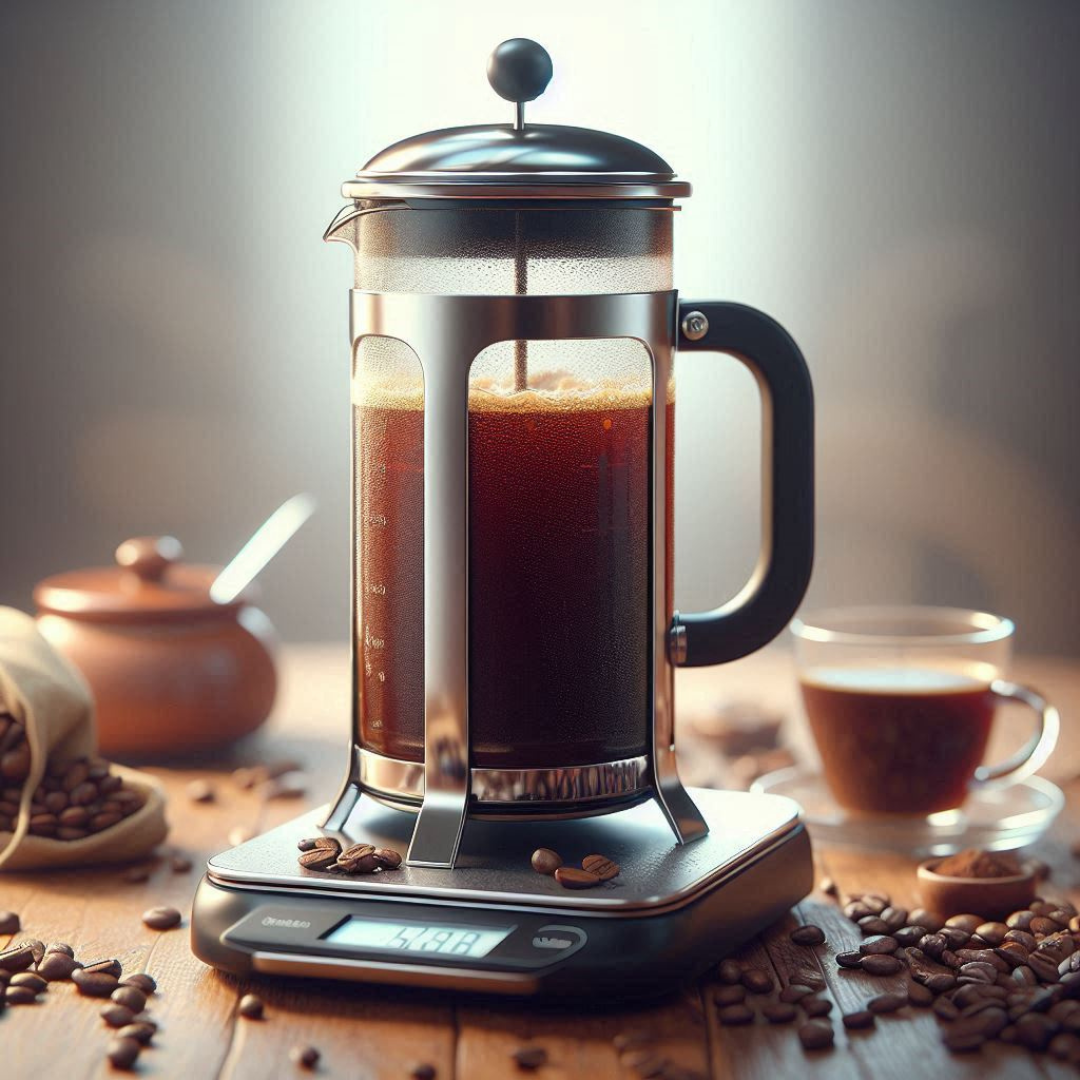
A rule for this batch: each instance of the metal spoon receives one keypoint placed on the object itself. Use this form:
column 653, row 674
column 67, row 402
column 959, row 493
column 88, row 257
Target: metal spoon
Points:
column 269, row 538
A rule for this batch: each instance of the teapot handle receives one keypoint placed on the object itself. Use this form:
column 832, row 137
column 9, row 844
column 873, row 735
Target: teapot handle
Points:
column 764, row 606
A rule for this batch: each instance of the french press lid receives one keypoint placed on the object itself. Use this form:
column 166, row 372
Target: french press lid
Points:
column 518, row 160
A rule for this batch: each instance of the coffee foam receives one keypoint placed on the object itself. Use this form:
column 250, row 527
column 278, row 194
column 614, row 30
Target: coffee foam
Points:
column 548, row 392
column 925, row 678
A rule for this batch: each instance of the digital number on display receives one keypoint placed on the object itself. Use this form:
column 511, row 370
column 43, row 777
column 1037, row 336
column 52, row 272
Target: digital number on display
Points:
column 415, row 938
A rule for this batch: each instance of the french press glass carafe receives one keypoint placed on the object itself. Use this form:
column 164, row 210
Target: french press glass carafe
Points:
column 513, row 325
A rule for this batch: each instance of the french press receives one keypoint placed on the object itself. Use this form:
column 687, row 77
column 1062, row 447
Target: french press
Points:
column 513, row 324
column 514, row 639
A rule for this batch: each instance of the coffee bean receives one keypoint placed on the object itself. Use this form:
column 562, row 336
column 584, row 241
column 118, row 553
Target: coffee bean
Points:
column 919, row 995
column 849, row 959
column 142, row 1031
column 922, row 917
column 94, row 983
column 732, row 1015
column 950, row 959
column 318, row 858
column 992, row 932
column 569, row 877
column 137, row 875
column 179, row 864
column 858, row 1021
column 1035, row 1031
column 123, row 1052
column 729, row 995
column 1012, row 953
column 84, row 794
column 15, row 763
column 530, row 1057
column 894, row 918
column 881, row 964
column 873, row 924
column 56, row 966
column 887, row 1003
column 909, row 936
column 757, row 981
column 808, row 935
column 251, row 1007
column 856, row 910
column 946, row 1009
column 878, row 946
column 1020, row 937
column 312, row 842
column 422, row 1070
column 357, row 859
column 981, row 973
column 388, row 858
column 730, row 971
column 1020, row 920
column 20, row 995
column 141, row 981
column 1044, row 967
column 162, row 918
column 130, row 996
column 600, row 865
column 30, row 979
column 546, row 861
column 956, row 937
column 1043, row 925
column 795, row 992
column 9, row 923
column 117, row 1016
column 968, row 923
column 876, row 902
column 779, row 1012
column 964, row 1040
column 815, row 1006
column 816, row 1035
column 17, row 958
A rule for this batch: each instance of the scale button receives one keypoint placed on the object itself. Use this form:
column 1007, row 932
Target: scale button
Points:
column 558, row 939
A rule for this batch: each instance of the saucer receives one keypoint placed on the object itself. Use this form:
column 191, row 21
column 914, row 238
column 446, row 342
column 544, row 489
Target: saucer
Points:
column 997, row 820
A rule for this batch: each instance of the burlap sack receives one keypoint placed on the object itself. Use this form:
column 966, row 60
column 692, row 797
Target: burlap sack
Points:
column 44, row 693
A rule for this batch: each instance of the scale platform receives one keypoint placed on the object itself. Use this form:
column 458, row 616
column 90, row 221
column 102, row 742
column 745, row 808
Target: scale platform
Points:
column 492, row 924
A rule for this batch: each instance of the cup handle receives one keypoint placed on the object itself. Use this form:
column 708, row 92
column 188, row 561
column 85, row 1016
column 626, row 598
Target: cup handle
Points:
column 1033, row 754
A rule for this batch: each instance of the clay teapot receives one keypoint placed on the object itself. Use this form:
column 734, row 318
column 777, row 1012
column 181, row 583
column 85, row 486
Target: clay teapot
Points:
column 171, row 670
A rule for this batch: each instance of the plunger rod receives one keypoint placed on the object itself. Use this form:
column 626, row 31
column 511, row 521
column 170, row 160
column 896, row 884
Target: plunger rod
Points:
column 521, row 285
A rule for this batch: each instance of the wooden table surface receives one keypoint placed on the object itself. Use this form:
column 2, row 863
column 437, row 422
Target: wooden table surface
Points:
column 375, row 1032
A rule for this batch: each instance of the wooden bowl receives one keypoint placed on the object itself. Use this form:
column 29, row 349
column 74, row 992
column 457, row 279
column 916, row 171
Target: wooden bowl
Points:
column 992, row 898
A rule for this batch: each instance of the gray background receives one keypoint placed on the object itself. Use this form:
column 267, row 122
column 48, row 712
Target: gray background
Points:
column 896, row 182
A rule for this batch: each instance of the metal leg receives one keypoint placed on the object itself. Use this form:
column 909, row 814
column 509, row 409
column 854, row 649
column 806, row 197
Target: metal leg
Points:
column 343, row 808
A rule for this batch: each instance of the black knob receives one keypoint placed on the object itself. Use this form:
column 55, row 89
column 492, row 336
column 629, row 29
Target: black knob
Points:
column 519, row 70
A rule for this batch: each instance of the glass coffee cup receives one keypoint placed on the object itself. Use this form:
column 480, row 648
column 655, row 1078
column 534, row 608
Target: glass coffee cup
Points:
column 901, row 702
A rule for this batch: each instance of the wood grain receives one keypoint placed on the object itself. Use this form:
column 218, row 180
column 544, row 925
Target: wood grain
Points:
column 373, row 1032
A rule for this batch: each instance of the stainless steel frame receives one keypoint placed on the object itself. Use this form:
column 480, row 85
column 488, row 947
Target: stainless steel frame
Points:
column 447, row 333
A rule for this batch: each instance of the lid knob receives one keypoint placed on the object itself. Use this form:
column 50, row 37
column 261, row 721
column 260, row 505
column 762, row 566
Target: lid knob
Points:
column 148, row 557
column 519, row 70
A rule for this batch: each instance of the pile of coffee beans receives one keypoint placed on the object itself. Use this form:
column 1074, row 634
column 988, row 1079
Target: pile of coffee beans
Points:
column 1016, row 981
column 326, row 855
column 74, row 799
column 594, row 870
column 28, row 967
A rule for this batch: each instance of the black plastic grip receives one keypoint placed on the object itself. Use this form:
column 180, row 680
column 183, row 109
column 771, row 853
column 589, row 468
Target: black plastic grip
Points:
column 768, row 600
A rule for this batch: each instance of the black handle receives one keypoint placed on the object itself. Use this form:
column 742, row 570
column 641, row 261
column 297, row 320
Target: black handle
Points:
column 768, row 600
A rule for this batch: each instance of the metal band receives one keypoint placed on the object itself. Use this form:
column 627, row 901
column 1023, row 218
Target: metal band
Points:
column 544, row 789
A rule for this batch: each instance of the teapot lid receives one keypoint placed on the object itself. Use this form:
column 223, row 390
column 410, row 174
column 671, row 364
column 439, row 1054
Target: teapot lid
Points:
column 148, row 583
column 518, row 160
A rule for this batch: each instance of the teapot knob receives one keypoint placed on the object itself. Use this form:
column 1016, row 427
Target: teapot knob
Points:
column 519, row 70
column 148, row 557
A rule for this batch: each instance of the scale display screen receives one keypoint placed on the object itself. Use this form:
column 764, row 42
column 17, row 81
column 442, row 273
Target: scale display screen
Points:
column 419, row 937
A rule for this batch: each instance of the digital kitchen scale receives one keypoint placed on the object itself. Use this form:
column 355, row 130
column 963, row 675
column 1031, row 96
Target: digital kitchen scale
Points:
column 492, row 924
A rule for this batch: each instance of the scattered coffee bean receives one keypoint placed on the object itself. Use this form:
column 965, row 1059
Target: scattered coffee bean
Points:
column 1020, row 937
column 357, row 859
column 319, row 858
column 530, row 1057
column 922, row 917
column 9, row 923
column 104, row 967
column 968, row 923
column 123, row 1052
column 17, row 958
column 878, row 946
column 963, row 1040
column 894, row 918
column 60, row 947
column 808, row 935
column 945, row 1008
column 816, row 1035
column 20, row 995
column 251, row 1007
column 388, row 858
column 909, row 936
column 1020, row 920
column 919, row 995
column 94, row 983
column 306, row 1057
column 779, row 1012
column 880, row 964
column 993, row 933
column 600, row 865
column 201, row 791
column 56, row 966
column 117, row 1016
column 30, row 979
column 162, row 918
column 180, row 863
column 795, row 992
column 733, row 1015
column 730, row 971
column 873, row 924
column 858, row 1021
column 142, row 1031
column 141, row 981
column 815, row 1006
column 131, row 997
column 887, row 1003
column 422, row 1070
column 546, row 861
column 849, row 959
column 312, row 842
column 569, row 877
column 757, row 981
column 729, row 995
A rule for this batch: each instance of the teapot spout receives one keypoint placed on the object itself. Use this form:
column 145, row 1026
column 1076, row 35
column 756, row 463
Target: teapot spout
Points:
column 344, row 226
